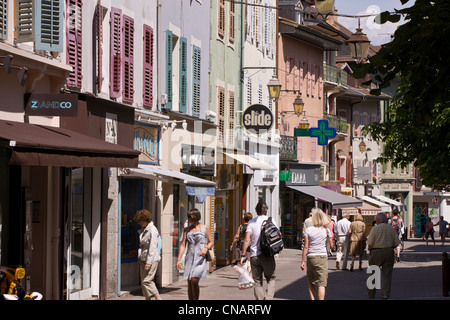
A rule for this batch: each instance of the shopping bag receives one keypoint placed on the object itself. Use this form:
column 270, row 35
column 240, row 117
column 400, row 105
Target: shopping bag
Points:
column 245, row 279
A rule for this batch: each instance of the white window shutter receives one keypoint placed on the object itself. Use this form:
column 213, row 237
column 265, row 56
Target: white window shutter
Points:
column 49, row 23
column 3, row 19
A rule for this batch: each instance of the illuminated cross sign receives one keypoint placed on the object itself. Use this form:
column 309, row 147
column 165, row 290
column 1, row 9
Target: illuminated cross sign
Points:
column 322, row 133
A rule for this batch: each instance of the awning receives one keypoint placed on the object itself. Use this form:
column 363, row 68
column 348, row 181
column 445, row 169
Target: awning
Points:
column 337, row 200
column 366, row 210
column 383, row 206
column 252, row 162
column 165, row 174
column 398, row 205
column 38, row 145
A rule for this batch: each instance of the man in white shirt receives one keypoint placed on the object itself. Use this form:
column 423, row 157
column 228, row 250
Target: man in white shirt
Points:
column 343, row 240
column 261, row 264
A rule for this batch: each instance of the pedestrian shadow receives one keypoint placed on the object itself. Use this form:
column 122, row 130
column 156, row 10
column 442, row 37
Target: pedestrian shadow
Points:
column 408, row 283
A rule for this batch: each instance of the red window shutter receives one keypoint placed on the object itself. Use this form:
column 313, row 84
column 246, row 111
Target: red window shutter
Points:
column 74, row 42
column 116, row 52
column 99, row 17
column 128, row 59
column 148, row 67
column 349, row 171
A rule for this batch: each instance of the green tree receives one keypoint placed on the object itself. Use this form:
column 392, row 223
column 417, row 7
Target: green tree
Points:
column 417, row 126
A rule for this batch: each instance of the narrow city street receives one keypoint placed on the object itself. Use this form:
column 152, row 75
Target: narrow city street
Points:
column 417, row 277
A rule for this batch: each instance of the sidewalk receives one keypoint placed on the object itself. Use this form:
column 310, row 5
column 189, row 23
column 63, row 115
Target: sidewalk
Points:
column 417, row 277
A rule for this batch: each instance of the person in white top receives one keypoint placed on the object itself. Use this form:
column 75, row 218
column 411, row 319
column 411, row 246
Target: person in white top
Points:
column 342, row 228
column 148, row 256
column 315, row 252
column 261, row 264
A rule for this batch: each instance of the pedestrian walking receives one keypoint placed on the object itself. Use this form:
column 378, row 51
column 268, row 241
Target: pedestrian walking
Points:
column 261, row 265
column 442, row 229
column 381, row 242
column 331, row 226
column 429, row 230
column 315, row 254
column 397, row 223
column 423, row 222
column 342, row 228
column 148, row 256
column 239, row 238
column 357, row 234
column 197, row 239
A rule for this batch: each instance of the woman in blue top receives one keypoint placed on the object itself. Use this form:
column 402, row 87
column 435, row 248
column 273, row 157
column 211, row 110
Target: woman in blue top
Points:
column 199, row 241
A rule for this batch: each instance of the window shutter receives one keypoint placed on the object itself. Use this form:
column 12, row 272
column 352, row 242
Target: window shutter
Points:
column 116, row 50
column 24, row 17
column 183, row 74
column 3, row 19
column 128, row 59
column 169, row 86
column 74, row 42
column 232, row 21
column 349, row 171
column 221, row 116
column 196, row 82
column 148, row 66
column 49, row 15
column 231, row 119
column 99, row 18
column 313, row 149
column 221, row 19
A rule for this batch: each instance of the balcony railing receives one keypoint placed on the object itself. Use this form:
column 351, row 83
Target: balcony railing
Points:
column 288, row 149
column 334, row 75
column 339, row 123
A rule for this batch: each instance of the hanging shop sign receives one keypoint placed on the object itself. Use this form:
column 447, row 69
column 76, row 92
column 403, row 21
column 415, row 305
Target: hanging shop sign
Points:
column 50, row 105
column 146, row 140
column 322, row 133
column 257, row 119
column 197, row 160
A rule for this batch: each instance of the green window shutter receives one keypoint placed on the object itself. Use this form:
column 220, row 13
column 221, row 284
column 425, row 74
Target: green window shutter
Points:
column 24, row 18
column 196, row 81
column 169, row 84
column 49, row 21
column 3, row 19
column 183, row 74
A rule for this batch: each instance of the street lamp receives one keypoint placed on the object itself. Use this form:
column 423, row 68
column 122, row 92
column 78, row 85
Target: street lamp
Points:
column 359, row 44
column 325, row 5
column 274, row 87
column 362, row 146
column 304, row 124
column 298, row 105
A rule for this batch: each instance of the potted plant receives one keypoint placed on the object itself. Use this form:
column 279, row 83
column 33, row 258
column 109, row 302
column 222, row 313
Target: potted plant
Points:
column 342, row 179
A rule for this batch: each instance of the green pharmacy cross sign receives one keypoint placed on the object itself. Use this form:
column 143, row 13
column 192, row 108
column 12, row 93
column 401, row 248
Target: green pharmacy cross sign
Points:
column 322, row 133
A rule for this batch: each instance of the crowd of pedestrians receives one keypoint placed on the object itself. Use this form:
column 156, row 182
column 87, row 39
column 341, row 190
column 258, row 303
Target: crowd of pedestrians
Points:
column 322, row 235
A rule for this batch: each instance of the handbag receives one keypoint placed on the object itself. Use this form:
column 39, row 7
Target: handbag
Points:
column 210, row 252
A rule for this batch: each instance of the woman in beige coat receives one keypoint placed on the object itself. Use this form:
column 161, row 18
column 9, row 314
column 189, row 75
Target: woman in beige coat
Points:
column 357, row 233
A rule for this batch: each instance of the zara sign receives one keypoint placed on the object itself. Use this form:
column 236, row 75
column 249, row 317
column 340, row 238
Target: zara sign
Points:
column 257, row 119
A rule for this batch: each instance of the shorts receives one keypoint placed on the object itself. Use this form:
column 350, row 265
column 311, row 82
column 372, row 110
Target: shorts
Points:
column 317, row 270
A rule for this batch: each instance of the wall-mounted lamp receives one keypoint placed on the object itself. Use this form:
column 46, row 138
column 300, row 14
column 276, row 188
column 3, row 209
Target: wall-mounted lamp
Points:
column 8, row 65
column 304, row 124
column 362, row 146
column 274, row 87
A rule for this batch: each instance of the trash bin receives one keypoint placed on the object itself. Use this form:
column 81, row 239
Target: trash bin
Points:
column 445, row 274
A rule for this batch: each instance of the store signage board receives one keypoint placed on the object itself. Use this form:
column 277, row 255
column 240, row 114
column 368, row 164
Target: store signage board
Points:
column 50, row 105
column 258, row 119
column 146, row 140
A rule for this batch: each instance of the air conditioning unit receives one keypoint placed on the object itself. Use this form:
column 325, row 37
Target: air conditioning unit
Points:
column 163, row 99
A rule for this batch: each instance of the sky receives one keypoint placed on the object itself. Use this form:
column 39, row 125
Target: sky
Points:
column 378, row 34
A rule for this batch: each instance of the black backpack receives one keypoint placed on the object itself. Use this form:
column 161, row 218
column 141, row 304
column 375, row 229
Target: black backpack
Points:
column 270, row 240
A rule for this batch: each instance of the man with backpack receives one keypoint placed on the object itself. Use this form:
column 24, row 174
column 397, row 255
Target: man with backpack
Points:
column 261, row 264
column 397, row 223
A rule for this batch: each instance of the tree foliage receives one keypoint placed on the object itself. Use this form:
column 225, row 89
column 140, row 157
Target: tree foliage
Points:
column 417, row 126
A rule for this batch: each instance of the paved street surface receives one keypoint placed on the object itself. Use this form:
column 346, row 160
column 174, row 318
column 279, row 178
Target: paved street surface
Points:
column 417, row 277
